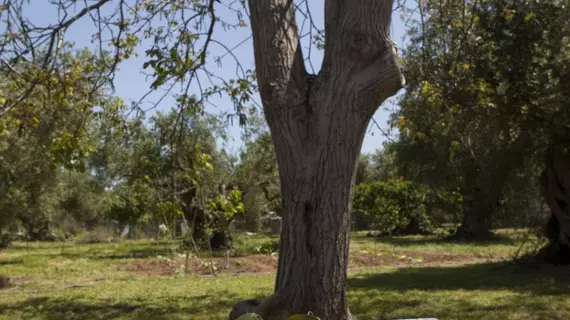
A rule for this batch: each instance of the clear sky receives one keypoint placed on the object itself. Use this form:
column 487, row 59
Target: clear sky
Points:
column 131, row 84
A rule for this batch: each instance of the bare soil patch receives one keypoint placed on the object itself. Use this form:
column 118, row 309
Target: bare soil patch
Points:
column 169, row 266
column 151, row 267
column 259, row 263
column 404, row 258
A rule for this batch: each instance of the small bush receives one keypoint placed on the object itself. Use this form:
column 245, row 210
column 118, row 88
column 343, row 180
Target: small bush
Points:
column 393, row 206
column 98, row 235
column 268, row 247
column 244, row 245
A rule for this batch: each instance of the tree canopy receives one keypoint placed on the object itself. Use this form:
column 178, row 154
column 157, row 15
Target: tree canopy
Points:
column 483, row 126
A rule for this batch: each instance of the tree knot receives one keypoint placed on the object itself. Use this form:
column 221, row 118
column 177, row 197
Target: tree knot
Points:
column 366, row 47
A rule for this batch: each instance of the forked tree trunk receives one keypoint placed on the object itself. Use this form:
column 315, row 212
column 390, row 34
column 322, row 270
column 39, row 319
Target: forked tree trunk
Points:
column 555, row 188
column 316, row 191
column 317, row 124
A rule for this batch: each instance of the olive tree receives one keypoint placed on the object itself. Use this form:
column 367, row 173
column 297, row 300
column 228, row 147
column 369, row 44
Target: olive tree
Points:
column 317, row 121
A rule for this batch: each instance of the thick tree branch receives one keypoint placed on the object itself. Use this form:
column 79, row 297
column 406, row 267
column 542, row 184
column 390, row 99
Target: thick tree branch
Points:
column 278, row 57
column 358, row 49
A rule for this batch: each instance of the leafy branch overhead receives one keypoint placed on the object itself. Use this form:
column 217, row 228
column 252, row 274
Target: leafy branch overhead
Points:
column 177, row 38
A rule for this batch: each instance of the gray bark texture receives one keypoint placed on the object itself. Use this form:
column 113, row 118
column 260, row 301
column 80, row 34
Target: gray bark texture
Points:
column 555, row 189
column 478, row 208
column 317, row 124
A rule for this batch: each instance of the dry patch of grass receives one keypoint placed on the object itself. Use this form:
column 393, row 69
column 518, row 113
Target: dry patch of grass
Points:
column 267, row 263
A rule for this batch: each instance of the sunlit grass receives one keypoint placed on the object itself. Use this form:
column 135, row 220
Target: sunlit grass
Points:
column 134, row 298
column 88, row 282
column 506, row 244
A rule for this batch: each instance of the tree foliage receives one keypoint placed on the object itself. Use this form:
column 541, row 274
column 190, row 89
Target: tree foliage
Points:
column 392, row 205
column 486, row 82
column 398, row 206
column 46, row 134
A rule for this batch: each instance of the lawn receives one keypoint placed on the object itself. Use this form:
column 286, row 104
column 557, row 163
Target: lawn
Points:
column 395, row 277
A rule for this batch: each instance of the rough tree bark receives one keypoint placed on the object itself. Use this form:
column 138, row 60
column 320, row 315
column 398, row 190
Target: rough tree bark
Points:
column 478, row 207
column 317, row 124
column 555, row 189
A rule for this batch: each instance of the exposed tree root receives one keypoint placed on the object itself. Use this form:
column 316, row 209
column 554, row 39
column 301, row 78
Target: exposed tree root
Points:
column 273, row 308
column 243, row 307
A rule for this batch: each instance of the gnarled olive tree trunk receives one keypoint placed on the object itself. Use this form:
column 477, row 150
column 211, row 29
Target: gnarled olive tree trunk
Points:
column 486, row 190
column 555, row 189
column 317, row 124
column 478, row 208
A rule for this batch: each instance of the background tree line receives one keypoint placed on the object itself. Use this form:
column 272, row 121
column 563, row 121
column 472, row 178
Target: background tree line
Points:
column 76, row 162
column 483, row 136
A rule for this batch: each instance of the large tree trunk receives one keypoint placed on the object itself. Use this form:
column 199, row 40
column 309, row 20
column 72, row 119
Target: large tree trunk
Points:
column 555, row 188
column 316, row 220
column 478, row 207
column 487, row 184
column 317, row 124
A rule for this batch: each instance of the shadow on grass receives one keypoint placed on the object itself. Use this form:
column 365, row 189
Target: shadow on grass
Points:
column 98, row 253
column 490, row 291
column 534, row 279
column 132, row 254
column 416, row 306
column 111, row 252
column 191, row 307
column 5, row 262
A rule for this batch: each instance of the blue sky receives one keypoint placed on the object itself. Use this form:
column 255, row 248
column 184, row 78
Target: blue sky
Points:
column 131, row 84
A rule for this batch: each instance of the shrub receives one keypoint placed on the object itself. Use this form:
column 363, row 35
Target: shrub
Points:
column 98, row 235
column 268, row 247
column 392, row 206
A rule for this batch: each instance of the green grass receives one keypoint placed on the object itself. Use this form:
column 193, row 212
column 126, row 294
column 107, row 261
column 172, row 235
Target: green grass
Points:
column 255, row 244
column 87, row 282
column 505, row 244
column 482, row 291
